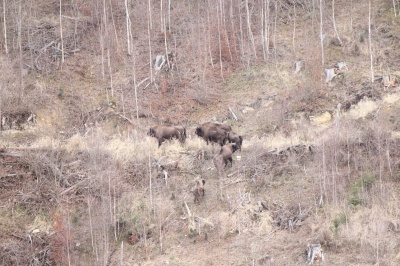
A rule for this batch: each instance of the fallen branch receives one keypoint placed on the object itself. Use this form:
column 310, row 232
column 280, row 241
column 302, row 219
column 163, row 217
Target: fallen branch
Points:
column 202, row 220
column 233, row 114
column 74, row 186
column 188, row 210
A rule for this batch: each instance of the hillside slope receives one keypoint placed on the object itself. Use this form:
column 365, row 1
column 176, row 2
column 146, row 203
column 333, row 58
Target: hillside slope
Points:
column 85, row 185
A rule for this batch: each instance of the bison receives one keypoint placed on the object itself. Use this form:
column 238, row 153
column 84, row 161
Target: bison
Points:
column 198, row 189
column 213, row 132
column 235, row 138
column 224, row 156
column 164, row 132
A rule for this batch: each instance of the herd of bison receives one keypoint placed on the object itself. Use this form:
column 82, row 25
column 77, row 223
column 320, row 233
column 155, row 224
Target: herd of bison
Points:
column 211, row 132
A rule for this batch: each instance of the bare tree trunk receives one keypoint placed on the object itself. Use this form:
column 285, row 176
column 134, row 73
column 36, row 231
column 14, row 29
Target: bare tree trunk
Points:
column 394, row 8
column 209, row 37
column 61, row 35
column 150, row 185
column 128, row 27
column 267, row 30
column 149, row 27
column 263, row 30
column 370, row 40
column 102, row 53
column 165, row 44
column 94, row 248
column 275, row 28
column 68, row 234
column 135, row 87
column 334, row 22
column 219, row 43
column 294, row 27
column 241, row 45
column 321, row 35
column 5, row 27
column 150, row 21
column 249, row 27
column 233, row 30
column 21, row 78
column 225, row 28
column 114, row 27
column 161, row 16
column 110, row 72
column 169, row 15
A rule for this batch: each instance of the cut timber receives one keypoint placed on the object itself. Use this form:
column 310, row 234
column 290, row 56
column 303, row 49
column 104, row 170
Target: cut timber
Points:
column 298, row 65
column 388, row 80
column 330, row 74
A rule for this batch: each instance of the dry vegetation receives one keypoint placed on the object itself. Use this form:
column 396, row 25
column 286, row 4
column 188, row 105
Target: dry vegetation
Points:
column 82, row 184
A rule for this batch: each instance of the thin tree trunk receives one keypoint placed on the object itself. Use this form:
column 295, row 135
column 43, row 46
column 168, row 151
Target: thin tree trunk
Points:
column 110, row 72
column 165, row 44
column 121, row 257
column 128, row 27
column 225, row 28
column 114, row 27
column 61, row 35
column 241, row 45
column 394, row 8
column 150, row 21
column 21, row 78
column 219, row 44
column 161, row 16
column 233, row 30
column 321, row 32
column 334, row 22
column 275, row 28
column 249, row 27
column 263, row 30
column 209, row 37
column 94, row 248
column 294, row 27
column 135, row 87
column 267, row 30
column 149, row 27
column 5, row 27
column 169, row 15
column 68, row 234
column 370, row 41
column 150, row 185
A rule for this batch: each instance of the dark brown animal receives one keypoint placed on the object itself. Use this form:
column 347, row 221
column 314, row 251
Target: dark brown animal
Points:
column 235, row 138
column 213, row 132
column 198, row 189
column 225, row 127
column 164, row 132
column 224, row 156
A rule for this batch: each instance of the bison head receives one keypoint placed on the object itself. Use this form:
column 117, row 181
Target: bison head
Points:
column 235, row 147
column 151, row 132
column 199, row 132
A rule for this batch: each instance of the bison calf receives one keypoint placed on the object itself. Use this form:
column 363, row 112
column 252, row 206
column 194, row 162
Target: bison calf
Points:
column 235, row 138
column 164, row 132
column 224, row 156
column 198, row 189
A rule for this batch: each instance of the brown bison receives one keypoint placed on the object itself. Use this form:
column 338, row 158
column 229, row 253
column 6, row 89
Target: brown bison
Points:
column 165, row 132
column 198, row 189
column 213, row 132
column 224, row 156
column 235, row 138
